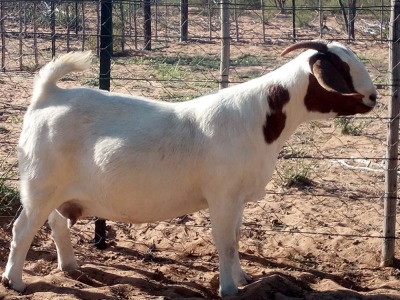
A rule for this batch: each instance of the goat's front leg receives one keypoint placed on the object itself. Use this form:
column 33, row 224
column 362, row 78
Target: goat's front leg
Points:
column 240, row 276
column 225, row 217
column 62, row 238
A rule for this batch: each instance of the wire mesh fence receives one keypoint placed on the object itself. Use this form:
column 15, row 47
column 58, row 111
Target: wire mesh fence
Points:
column 324, row 205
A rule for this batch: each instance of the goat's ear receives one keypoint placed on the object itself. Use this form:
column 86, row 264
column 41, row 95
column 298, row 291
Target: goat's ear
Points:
column 329, row 77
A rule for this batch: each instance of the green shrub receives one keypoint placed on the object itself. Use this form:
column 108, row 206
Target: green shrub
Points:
column 9, row 198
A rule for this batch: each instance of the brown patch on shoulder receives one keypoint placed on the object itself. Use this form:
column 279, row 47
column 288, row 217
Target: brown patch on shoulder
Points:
column 275, row 121
column 71, row 211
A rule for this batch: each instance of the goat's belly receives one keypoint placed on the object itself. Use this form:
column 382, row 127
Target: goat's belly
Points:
column 135, row 208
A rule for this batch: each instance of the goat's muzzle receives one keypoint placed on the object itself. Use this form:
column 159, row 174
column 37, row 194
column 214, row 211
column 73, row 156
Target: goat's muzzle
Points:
column 366, row 104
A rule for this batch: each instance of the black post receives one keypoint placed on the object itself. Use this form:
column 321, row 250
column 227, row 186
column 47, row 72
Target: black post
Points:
column 147, row 24
column 104, row 84
column 100, row 234
column 105, row 44
column 184, row 19
column 294, row 20
column 76, row 18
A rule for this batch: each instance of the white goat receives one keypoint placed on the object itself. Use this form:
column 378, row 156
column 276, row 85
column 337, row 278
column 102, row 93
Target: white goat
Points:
column 85, row 152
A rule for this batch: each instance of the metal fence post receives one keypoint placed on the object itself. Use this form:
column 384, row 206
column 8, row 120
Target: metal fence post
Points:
column 104, row 84
column 390, row 204
column 122, row 9
column 184, row 19
column 225, row 44
column 106, row 40
column 147, row 24
column 294, row 20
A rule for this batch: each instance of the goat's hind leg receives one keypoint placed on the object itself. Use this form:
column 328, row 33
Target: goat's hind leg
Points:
column 25, row 227
column 62, row 238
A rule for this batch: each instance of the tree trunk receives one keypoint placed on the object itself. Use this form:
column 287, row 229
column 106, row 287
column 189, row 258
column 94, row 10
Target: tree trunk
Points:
column 349, row 16
column 281, row 5
column 344, row 13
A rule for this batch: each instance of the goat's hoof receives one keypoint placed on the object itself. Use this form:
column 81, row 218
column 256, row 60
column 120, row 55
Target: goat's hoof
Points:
column 69, row 267
column 228, row 291
column 244, row 279
column 248, row 278
column 19, row 287
column 5, row 281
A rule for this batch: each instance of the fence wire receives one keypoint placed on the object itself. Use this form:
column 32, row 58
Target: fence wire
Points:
column 329, row 181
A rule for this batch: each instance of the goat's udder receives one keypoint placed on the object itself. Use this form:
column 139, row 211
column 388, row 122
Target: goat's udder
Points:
column 71, row 211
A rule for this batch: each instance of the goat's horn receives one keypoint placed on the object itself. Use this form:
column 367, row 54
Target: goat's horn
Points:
column 319, row 45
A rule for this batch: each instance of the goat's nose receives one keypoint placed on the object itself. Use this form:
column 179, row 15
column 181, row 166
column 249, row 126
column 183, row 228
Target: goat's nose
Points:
column 371, row 100
column 373, row 97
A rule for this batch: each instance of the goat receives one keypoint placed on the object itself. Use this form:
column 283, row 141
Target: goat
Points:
column 85, row 152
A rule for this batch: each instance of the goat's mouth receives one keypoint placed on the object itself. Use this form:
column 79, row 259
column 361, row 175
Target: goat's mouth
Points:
column 365, row 103
column 370, row 101
column 363, row 108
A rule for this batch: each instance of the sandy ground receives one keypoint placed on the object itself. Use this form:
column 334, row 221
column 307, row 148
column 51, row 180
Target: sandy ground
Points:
column 177, row 259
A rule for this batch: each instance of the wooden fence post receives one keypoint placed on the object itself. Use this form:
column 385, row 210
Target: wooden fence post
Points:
column 225, row 44
column 210, row 14
column 390, row 199
column 235, row 18
column 321, row 18
column 263, row 19
column 3, row 36
column 53, row 28
column 35, row 29
column 20, row 17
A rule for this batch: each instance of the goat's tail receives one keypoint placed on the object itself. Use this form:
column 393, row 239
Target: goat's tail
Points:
column 58, row 68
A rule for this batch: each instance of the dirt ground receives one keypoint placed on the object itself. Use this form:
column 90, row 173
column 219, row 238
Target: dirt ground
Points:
column 177, row 259
column 318, row 239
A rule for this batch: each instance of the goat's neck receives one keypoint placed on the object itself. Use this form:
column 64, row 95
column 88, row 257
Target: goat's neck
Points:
column 294, row 79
